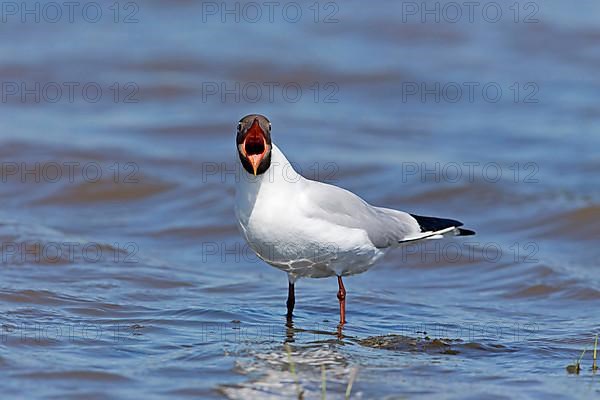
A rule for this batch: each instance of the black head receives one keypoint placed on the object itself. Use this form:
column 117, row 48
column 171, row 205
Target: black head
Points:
column 254, row 143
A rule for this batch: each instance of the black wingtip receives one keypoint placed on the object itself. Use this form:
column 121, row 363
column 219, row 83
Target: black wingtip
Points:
column 465, row 232
column 433, row 224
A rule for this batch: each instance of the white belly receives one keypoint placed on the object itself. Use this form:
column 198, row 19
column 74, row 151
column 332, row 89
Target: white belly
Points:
column 274, row 218
column 306, row 247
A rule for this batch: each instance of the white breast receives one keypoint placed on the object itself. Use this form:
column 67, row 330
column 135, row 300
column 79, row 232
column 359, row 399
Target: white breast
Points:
column 271, row 211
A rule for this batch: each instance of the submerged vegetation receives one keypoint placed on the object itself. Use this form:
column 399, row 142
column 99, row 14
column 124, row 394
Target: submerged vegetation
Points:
column 575, row 368
column 300, row 390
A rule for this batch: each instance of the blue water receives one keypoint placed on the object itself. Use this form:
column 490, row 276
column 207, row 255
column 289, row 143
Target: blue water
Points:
column 125, row 277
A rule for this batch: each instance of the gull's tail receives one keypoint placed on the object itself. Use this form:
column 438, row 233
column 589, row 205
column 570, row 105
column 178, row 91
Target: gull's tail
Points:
column 435, row 228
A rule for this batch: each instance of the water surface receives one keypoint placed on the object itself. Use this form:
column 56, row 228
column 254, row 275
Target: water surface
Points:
column 123, row 274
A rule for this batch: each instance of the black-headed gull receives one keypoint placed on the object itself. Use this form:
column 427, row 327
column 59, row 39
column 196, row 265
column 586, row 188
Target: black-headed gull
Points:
column 311, row 229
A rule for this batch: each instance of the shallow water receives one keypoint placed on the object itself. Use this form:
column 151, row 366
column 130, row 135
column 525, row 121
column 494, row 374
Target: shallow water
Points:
column 123, row 274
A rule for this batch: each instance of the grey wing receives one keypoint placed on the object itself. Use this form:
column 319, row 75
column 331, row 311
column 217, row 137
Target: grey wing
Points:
column 385, row 227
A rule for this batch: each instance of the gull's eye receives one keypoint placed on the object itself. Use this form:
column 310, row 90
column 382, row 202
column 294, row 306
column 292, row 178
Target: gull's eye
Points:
column 239, row 126
column 269, row 126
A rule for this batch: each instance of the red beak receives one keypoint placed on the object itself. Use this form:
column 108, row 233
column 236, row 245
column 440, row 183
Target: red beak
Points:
column 255, row 145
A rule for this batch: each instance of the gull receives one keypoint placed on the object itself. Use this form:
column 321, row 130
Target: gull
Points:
column 311, row 229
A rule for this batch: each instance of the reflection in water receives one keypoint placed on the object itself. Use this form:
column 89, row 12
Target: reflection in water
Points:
column 290, row 332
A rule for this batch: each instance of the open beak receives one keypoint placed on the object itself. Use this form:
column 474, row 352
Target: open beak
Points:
column 255, row 146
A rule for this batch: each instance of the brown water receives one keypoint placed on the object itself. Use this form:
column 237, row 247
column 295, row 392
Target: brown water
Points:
column 123, row 275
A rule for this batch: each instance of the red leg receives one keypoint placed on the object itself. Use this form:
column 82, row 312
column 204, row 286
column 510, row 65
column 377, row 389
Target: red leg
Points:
column 342, row 298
